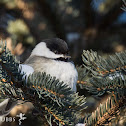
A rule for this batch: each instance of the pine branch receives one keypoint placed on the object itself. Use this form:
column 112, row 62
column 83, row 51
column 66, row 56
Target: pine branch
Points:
column 108, row 76
column 101, row 86
column 7, row 77
column 124, row 5
column 63, row 100
column 99, row 66
column 83, row 77
column 107, row 110
column 52, row 98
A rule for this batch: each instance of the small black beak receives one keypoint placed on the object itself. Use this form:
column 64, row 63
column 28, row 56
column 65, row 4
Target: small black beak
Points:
column 65, row 58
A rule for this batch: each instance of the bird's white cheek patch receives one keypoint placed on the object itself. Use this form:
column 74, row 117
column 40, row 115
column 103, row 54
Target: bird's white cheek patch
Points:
column 42, row 50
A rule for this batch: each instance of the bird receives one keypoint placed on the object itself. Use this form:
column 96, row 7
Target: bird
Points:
column 51, row 56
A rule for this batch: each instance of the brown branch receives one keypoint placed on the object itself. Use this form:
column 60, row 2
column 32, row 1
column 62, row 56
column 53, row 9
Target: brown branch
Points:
column 111, row 112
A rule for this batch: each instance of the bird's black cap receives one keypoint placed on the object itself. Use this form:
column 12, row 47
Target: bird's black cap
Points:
column 57, row 45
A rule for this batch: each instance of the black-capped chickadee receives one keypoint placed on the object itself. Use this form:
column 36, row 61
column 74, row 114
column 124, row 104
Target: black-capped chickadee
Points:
column 51, row 56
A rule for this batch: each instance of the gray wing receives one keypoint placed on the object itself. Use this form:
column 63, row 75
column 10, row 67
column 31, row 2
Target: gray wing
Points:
column 37, row 63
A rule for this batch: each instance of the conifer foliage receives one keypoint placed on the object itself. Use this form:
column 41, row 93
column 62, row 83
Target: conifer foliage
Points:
column 107, row 76
column 55, row 102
